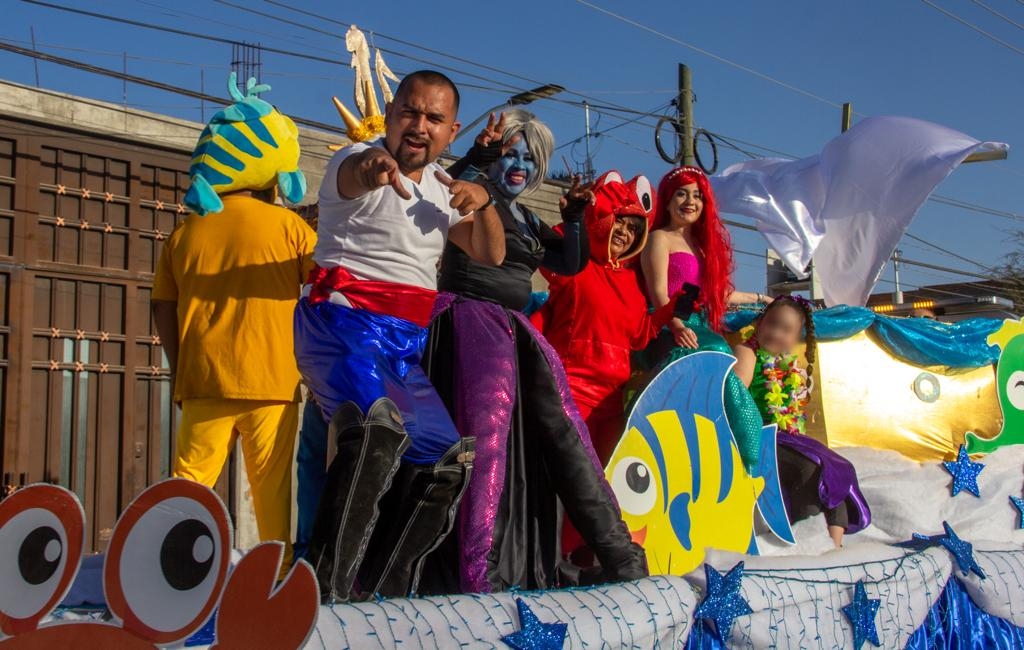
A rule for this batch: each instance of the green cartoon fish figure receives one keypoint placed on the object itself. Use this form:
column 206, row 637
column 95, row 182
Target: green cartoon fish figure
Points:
column 249, row 145
column 1010, row 386
column 677, row 472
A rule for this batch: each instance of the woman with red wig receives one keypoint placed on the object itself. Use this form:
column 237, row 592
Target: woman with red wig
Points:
column 689, row 245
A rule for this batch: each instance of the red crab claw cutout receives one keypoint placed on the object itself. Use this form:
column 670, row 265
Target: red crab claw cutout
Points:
column 42, row 532
column 255, row 614
column 168, row 561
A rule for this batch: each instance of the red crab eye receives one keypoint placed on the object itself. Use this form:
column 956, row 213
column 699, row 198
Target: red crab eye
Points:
column 644, row 192
column 609, row 177
column 42, row 532
column 168, row 561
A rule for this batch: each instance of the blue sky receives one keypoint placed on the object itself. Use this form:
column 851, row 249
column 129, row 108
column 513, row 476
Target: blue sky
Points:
column 888, row 58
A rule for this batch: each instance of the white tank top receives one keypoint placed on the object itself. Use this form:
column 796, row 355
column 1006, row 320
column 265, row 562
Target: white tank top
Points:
column 381, row 236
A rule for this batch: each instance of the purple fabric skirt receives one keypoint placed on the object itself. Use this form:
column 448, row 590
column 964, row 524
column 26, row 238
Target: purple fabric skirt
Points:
column 838, row 480
column 490, row 350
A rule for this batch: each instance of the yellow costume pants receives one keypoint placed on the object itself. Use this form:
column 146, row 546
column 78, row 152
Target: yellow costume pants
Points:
column 206, row 434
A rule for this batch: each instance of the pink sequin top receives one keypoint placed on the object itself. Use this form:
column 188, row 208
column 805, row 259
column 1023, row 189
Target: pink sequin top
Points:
column 682, row 267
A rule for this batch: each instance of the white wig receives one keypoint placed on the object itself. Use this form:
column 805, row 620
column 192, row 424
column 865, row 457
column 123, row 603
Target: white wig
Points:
column 539, row 141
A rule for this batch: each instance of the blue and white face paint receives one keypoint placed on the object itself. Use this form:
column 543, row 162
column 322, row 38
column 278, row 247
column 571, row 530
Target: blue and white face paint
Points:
column 513, row 171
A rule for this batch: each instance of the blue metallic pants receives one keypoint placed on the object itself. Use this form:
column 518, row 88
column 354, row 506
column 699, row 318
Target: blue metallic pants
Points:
column 356, row 355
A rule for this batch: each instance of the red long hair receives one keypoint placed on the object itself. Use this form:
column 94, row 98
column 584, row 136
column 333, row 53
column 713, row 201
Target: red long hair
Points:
column 714, row 246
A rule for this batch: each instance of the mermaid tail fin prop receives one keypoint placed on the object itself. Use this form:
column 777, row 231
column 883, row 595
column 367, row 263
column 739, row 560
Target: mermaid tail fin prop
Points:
column 770, row 503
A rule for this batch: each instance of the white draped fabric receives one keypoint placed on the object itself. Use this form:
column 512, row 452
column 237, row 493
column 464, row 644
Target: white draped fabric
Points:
column 848, row 206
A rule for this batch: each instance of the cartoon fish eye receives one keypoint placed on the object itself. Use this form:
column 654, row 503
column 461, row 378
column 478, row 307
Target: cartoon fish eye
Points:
column 1015, row 390
column 168, row 561
column 634, row 486
column 41, row 538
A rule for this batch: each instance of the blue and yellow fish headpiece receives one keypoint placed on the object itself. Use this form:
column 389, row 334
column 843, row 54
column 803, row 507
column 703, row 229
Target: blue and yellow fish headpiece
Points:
column 250, row 145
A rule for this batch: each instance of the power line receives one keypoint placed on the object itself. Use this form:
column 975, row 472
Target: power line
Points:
column 636, row 121
column 716, row 57
column 404, row 55
column 179, row 32
column 142, row 81
column 972, row 26
column 944, row 269
column 454, row 57
column 948, row 252
column 974, row 207
column 158, row 60
column 506, row 88
column 1003, row 16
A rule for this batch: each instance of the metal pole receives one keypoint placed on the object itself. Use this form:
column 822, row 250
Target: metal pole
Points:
column 202, row 90
column 685, row 111
column 844, row 126
column 898, row 294
column 588, row 167
column 35, row 62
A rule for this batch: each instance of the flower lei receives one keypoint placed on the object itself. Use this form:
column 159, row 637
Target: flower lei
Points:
column 787, row 391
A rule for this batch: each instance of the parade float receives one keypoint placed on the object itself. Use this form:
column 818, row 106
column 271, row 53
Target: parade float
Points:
column 941, row 564
column 929, row 413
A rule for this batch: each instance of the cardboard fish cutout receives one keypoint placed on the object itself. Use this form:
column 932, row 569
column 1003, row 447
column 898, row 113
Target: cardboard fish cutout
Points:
column 677, row 472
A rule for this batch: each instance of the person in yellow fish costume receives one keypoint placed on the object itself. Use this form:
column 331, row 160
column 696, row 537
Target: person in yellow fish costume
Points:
column 224, row 293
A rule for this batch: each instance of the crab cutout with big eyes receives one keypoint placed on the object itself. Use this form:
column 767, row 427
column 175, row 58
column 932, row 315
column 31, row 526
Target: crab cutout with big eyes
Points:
column 165, row 571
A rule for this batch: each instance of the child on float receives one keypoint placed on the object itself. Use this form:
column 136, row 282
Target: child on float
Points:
column 813, row 477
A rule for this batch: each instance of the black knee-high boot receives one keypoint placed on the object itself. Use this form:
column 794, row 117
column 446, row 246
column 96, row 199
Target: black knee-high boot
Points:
column 420, row 509
column 369, row 449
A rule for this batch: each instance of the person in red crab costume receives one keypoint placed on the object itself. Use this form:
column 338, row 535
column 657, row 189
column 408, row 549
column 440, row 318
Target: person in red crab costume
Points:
column 598, row 317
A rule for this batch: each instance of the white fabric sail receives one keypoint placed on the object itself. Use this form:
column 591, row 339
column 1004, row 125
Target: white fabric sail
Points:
column 848, row 206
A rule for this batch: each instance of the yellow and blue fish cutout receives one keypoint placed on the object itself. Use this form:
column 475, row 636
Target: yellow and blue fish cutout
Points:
column 677, row 472
column 250, row 145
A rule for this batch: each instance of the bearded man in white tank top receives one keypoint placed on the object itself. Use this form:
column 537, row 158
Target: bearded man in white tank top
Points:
column 386, row 210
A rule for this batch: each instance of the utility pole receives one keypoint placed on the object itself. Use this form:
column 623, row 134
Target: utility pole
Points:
column 844, row 126
column 684, row 113
column 202, row 90
column 897, row 296
column 35, row 61
column 588, row 164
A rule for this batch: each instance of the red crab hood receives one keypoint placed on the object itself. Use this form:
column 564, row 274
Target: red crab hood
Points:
column 616, row 198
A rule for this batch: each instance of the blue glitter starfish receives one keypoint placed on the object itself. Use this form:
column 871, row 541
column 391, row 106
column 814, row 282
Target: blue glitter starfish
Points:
column 535, row 635
column 1019, row 503
column 961, row 550
column 723, row 603
column 862, row 613
column 965, row 473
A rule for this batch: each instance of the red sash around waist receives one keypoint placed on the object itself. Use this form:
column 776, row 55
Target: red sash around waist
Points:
column 404, row 301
